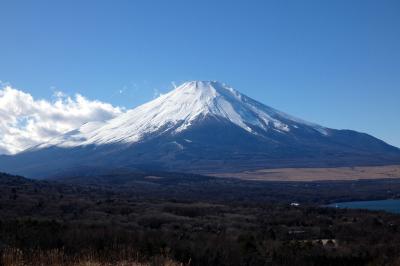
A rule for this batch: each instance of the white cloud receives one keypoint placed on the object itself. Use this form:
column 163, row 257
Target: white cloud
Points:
column 25, row 121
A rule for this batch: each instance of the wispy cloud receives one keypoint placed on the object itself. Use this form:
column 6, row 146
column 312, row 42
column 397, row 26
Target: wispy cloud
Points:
column 156, row 93
column 25, row 121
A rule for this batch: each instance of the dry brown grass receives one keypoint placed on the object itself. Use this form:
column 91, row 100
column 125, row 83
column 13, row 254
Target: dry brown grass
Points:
column 319, row 174
column 57, row 257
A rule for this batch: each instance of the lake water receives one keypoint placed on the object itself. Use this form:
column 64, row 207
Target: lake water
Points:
column 391, row 205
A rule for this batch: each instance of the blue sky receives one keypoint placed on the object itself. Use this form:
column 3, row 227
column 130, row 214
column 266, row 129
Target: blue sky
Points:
column 336, row 63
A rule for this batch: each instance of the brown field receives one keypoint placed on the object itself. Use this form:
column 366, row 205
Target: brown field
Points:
column 318, row 174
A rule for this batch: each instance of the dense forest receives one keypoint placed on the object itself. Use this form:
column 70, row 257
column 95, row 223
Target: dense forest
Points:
column 181, row 219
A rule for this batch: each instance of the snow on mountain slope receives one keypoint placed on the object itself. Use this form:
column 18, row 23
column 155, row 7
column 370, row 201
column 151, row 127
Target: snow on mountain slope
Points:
column 177, row 110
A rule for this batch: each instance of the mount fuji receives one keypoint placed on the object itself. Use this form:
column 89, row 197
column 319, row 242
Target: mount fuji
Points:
column 201, row 127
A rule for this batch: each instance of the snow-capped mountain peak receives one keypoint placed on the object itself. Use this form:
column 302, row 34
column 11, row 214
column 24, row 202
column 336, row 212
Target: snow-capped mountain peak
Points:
column 178, row 110
column 201, row 127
